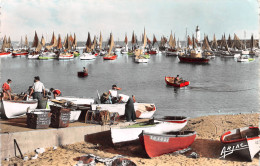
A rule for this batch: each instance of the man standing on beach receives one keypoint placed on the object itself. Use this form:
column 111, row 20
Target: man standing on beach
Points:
column 7, row 89
column 129, row 107
column 38, row 88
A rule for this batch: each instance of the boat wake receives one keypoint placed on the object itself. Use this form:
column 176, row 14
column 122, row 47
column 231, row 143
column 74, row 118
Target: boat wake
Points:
column 216, row 89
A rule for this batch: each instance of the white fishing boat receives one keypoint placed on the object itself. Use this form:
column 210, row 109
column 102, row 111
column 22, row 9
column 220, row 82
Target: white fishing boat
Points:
column 142, row 110
column 140, row 57
column 132, row 132
column 76, row 100
column 141, row 60
column 66, row 55
column 47, row 55
column 87, row 56
column 13, row 109
column 34, row 56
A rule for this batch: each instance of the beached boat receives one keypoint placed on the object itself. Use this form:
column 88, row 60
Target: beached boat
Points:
column 76, row 100
column 82, row 74
column 241, row 142
column 142, row 110
column 132, row 132
column 170, row 81
column 13, row 109
column 159, row 144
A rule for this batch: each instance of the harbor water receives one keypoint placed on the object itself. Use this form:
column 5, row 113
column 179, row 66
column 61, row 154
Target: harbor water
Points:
column 223, row 86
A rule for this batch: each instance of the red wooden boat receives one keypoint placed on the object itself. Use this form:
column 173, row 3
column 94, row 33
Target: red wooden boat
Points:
column 241, row 142
column 5, row 54
column 170, row 81
column 152, row 52
column 159, row 144
column 20, row 53
column 110, row 57
column 187, row 59
column 82, row 74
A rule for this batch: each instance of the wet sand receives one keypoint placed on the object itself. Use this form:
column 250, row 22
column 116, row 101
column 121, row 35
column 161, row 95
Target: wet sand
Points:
column 207, row 145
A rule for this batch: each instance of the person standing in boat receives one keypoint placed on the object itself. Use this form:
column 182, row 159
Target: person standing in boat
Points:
column 113, row 94
column 37, row 89
column 55, row 92
column 129, row 107
column 7, row 89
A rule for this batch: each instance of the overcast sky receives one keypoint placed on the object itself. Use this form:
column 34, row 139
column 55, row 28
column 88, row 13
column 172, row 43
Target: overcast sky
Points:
column 159, row 17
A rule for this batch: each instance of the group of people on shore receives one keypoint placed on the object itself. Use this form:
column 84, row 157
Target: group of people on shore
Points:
column 113, row 97
column 37, row 91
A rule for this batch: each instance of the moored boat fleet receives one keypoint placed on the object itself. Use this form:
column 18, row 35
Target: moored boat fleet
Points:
column 192, row 50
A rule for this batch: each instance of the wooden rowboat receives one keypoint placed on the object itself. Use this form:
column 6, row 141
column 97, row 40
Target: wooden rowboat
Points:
column 243, row 142
column 110, row 57
column 82, row 74
column 170, row 81
column 13, row 109
column 130, row 133
column 159, row 144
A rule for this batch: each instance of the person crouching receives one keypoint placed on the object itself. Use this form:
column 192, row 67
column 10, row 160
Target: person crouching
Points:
column 55, row 92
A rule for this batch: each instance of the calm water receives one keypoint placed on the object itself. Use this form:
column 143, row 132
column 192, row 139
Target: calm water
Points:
column 224, row 86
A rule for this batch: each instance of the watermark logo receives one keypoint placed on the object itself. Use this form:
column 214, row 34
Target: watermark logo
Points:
column 228, row 150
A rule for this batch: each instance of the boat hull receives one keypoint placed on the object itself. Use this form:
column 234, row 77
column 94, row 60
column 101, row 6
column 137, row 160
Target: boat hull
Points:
column 170, row 83
column 4, row 54
column 193, row 60
column 141, row 60
column 244, row 143
column 20, row 54
column 110, row 57
column 75, row 100
column 82, row 74
column 87, row 56
column 13, row 109
column 159, row 144
column 126, row 134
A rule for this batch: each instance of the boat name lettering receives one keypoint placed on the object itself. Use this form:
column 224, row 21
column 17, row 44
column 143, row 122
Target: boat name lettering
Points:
column 159, row 139
column 227, row 150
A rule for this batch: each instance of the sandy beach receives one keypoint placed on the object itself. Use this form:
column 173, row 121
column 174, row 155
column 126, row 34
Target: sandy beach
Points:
column 207, row 145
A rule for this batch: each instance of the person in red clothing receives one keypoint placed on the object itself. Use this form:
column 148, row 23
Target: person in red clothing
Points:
column 55, row 92
column 7, row 89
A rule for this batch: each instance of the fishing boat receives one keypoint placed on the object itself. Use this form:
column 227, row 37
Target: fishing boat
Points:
column 142, row 110
column 5, row 46
column 66, row 55
column 193, row 54
column 132, row 132
column 87, row 56
column 13, row 109
column 37, row 48
column 110, row 55
column 82, row 74
column 245, row 58
column 241, row 142
column 20, row 53
column 76, row 100
column 140, row 56
column 159, row 144
column 172, row 50
column 170, row 81
column 47, row 55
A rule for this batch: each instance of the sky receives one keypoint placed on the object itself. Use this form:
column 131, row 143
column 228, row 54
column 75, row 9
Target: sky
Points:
column 158, row 17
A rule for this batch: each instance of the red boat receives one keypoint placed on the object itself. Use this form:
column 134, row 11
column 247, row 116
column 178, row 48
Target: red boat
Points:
column 5, row 54
column 20, row 53
column 82, row 74
column 159, row 144
column 152, row 52
column 170, row 81
column 193, row 60
column 110, row 57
